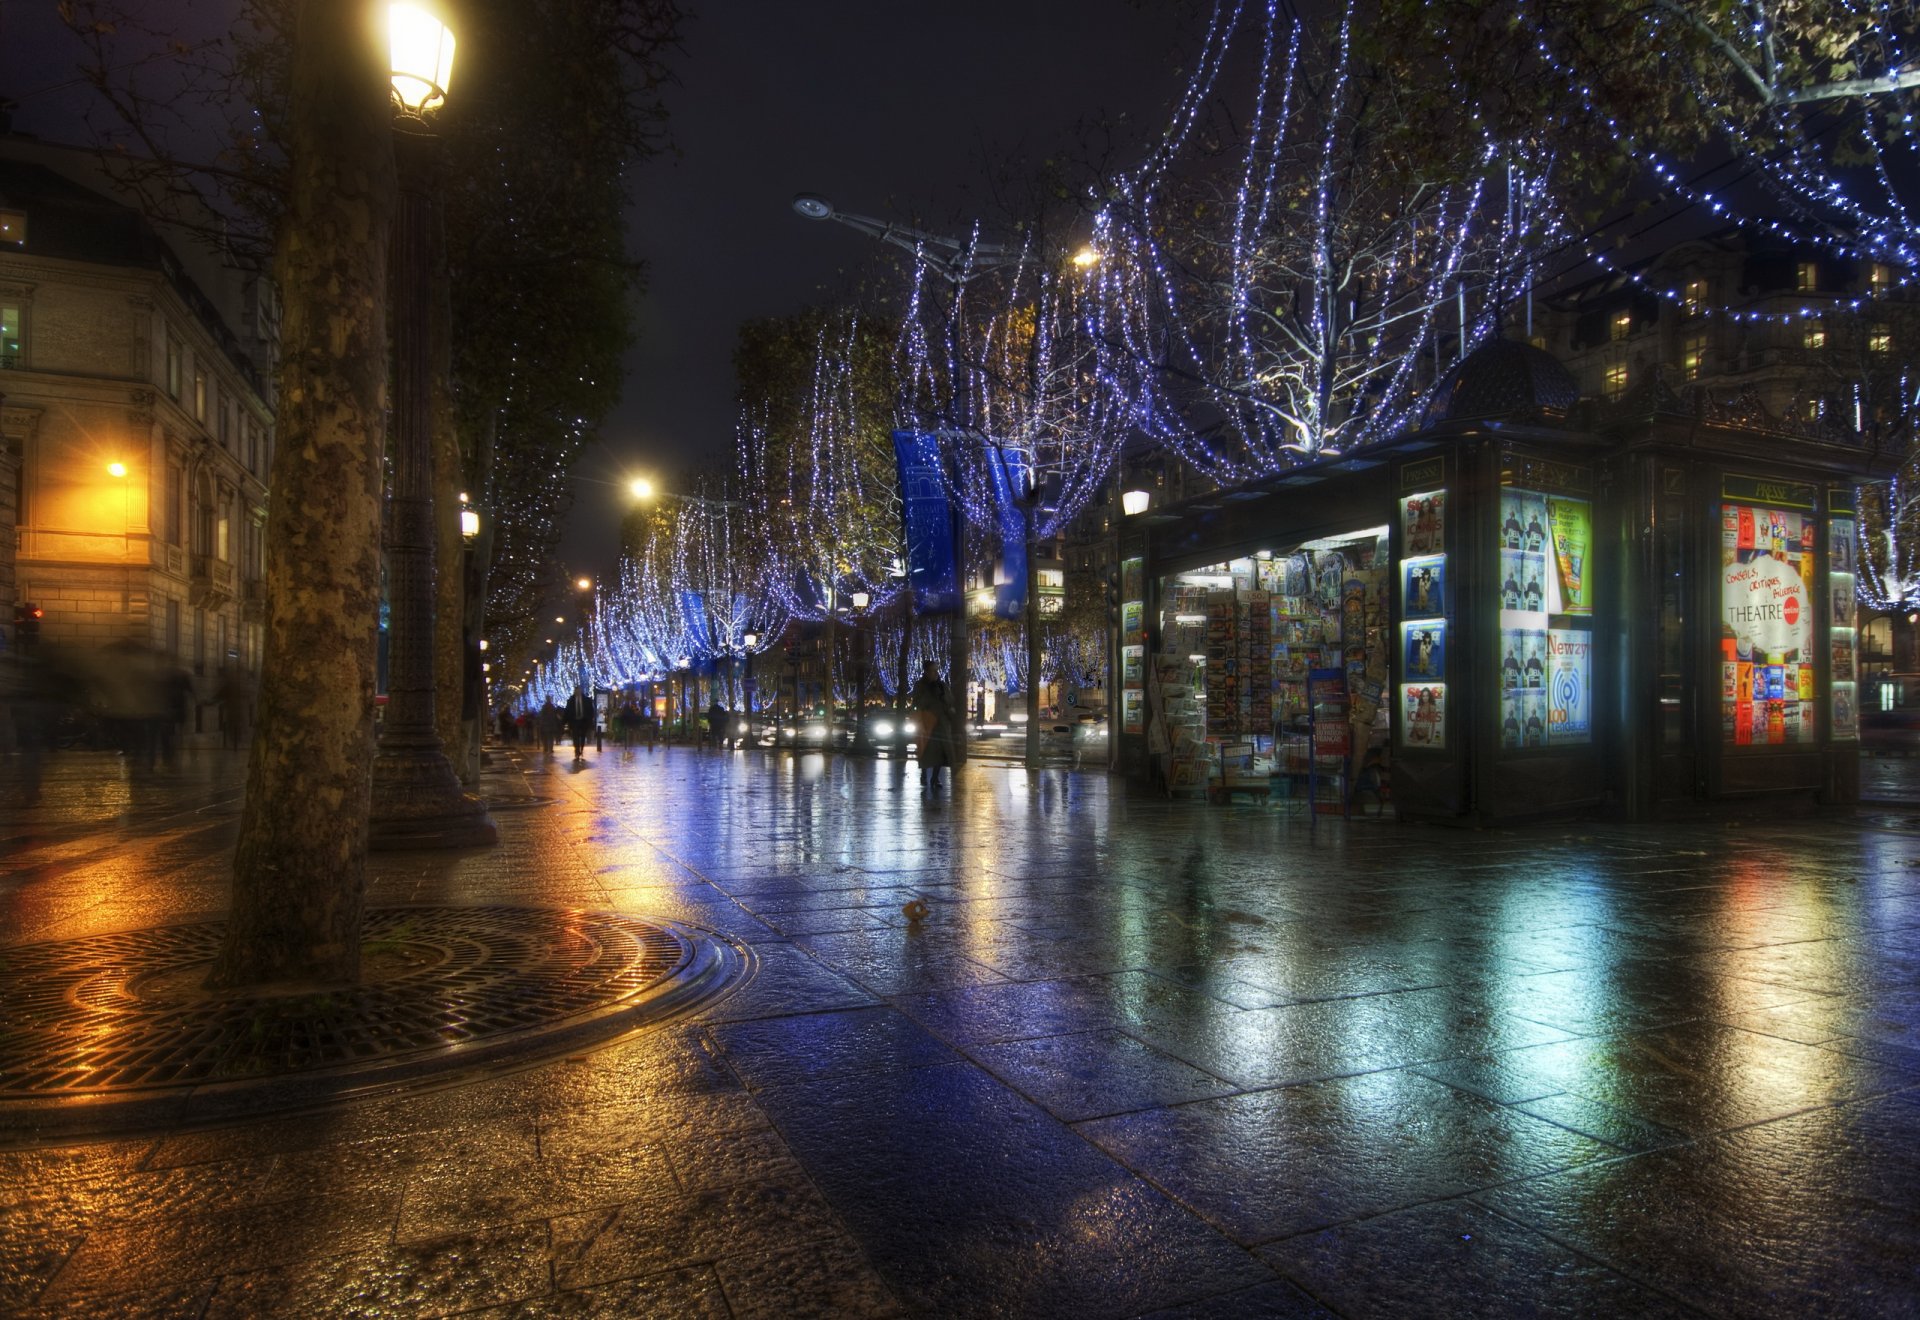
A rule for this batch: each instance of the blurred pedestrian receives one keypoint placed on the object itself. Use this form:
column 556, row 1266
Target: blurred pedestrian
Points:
column 34, row 707
column 549, row 721
column 932, row 726
column 716, row 722
column 235, row 697
column 579, row 718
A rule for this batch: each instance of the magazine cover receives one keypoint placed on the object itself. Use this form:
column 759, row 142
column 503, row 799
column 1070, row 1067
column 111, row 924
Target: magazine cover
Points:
column 1423, row 714
column 1844, row 550
column 1426, row 650
column 1424, row 588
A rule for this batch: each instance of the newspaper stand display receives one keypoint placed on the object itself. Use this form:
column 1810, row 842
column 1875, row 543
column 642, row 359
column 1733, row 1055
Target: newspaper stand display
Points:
column 1330, row 732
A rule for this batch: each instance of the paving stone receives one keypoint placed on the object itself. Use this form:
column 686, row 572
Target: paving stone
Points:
column 1454, row 1258
column 1808, row 1214
column 1273, row 1163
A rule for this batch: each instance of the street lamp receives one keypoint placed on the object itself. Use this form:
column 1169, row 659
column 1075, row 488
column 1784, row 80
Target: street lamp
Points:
column 1133, row 503
column 583, row 584
column 417, row 798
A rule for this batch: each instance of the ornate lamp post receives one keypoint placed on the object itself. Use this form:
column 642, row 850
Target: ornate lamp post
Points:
column 417, row 798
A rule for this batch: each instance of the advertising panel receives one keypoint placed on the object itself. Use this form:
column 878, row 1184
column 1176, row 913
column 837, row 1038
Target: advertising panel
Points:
column 1769, row 667
column 1545, row 587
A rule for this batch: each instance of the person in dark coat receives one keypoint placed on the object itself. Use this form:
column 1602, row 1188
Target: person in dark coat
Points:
column 933, row 726
column 579, row 718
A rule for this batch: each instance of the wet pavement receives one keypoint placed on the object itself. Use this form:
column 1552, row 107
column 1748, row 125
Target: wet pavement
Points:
column 1139, row 1058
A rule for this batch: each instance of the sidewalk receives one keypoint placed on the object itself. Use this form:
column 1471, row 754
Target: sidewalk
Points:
column 1139, row 1058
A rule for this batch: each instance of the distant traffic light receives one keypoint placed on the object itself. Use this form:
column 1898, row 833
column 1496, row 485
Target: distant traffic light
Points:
column 26, row 624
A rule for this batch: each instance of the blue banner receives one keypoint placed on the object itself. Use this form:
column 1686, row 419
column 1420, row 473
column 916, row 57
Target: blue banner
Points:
column 1007, row 468
column 929, row 523
column 693, row 622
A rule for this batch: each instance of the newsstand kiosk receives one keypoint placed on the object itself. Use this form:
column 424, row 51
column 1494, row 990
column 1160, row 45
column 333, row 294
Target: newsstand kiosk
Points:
column 1544, row 607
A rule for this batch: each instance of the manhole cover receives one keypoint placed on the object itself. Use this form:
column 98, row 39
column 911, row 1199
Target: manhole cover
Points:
column 115, row 1030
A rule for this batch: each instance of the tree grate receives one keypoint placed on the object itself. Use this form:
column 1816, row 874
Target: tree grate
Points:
column 125, row 1012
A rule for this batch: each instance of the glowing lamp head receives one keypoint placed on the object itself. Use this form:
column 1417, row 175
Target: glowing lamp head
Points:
column 469, row 524
column 420, row 55
column 116, row 469
column 583, row 583
column 1087, row 257
column 861, row 600
column 1135, row 502
column 752, row 640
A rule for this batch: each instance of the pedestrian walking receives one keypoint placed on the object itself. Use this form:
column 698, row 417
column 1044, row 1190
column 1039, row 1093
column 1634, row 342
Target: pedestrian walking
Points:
column 579, row 719
column 716, row 723
column 549, row 721
column 235, row 697
column 932, row 726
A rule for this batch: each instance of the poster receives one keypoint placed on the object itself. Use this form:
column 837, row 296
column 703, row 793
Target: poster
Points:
column 1132, row 708
column 1523, row 581
column 1763, row 604
column 1424, row 587
column 1523, row 520
column 1133, row 661
column 1133, row 579
column 1423, row 714
column 1423, row 523
column 1133, row 615
column 1840, row 599
column 1523, row 658
column 1571, row 522
column 1846, row 713
column 1523, row 718
column 1426, row 649
column 1766, row 626
column 1844, row 549
column 1569, row 686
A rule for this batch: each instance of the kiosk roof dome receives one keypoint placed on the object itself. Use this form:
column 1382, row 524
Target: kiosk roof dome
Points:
column 1502, row 376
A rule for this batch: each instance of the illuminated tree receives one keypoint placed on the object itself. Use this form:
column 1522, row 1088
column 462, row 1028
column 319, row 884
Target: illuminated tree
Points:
column 1291, row 264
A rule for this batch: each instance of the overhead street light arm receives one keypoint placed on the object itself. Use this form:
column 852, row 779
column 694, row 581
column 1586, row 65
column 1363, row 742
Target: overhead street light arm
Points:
column 957, row 258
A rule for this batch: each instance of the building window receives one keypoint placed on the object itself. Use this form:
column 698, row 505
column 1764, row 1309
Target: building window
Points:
column 173, row 629
column 1880, row 277
column 1813, row 407
column 173, row 368
column 1813, row 335
column 13, row 336
column 222, row 537
column 13, row 226
column 1805, row 277
column 1693, row 357
column 1622, row 324
column 200, row 397
column 1616, row 380
column 202, row 517
column 199, row 641
column 1880, row 339
column 1693, row 299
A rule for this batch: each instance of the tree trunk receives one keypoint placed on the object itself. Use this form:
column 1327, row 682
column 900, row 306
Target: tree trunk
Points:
column 450, row 639
column 299, row 869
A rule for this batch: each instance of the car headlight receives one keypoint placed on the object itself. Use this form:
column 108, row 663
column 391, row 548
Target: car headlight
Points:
column 882, row 729
column 908, row 726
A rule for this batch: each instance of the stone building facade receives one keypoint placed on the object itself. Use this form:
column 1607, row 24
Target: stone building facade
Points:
column 137, row 421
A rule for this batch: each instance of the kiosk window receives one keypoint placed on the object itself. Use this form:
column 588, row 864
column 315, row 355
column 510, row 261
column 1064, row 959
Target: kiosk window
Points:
column 1546, row 620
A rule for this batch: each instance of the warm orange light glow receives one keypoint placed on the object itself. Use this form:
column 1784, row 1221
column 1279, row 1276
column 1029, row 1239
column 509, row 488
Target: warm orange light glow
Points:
column 116, row 469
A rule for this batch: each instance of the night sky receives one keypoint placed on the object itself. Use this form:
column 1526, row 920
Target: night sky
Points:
column 889, row 109
column 886, row 109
